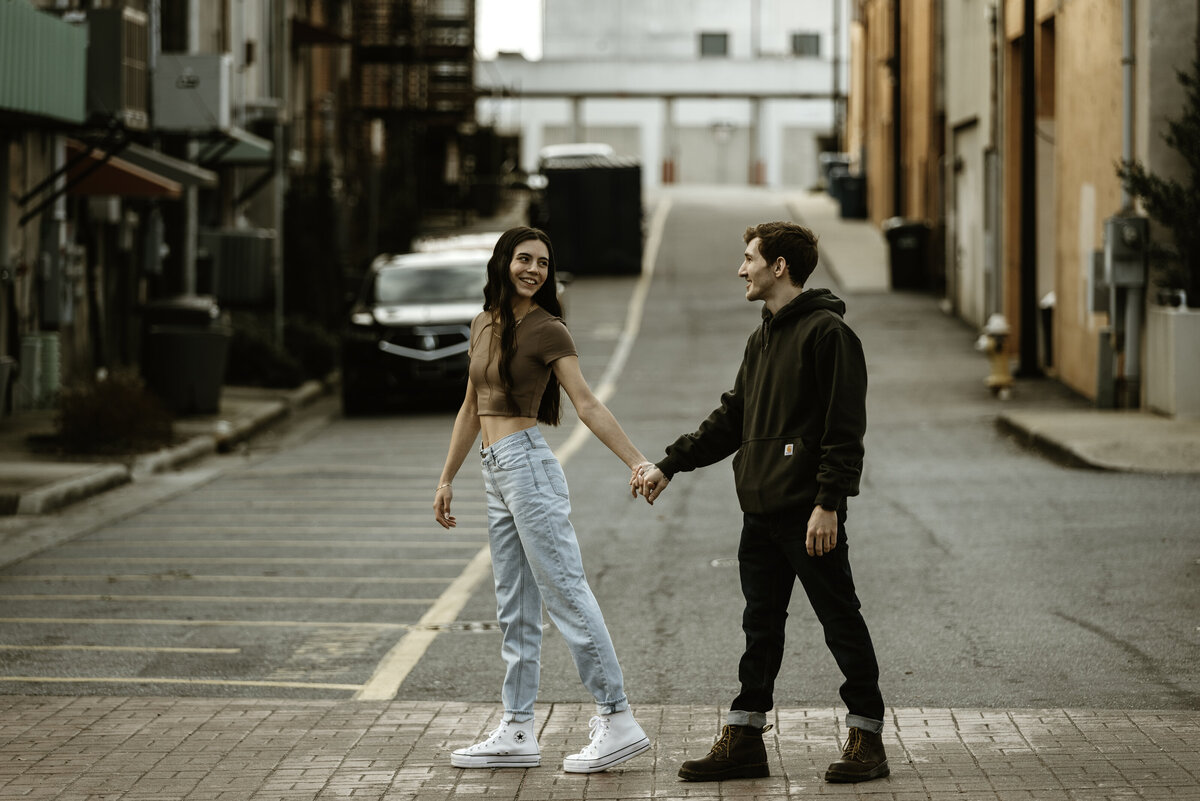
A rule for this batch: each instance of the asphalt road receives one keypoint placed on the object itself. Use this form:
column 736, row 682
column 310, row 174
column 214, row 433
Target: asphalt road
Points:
column 308, row 566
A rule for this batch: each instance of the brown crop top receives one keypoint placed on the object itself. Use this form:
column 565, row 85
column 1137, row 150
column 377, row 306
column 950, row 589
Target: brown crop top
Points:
column 541, row 339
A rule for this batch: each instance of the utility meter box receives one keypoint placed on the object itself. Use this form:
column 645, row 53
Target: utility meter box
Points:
column 192, row 92
column 1126, row 245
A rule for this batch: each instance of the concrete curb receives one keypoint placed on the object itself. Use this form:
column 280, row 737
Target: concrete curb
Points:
column 55, row 495
column 58, row 494
column 1049, row 447
column 1125, row 441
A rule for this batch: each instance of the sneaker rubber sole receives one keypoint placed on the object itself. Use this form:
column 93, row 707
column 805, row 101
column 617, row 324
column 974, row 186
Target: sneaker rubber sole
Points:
column 608, row 760
column 760, row 771
column 495, row 760
column 838, row 777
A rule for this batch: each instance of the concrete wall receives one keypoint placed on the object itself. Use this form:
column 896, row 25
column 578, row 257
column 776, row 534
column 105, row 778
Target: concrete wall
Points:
column 971, row 100
column 754, row 115
column 782, row 131
column 666, row 30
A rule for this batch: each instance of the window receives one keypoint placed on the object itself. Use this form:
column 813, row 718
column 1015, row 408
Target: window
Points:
column 714, row 44
column 806, row 45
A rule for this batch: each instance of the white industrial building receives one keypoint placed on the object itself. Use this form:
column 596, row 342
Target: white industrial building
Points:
column 699, row 91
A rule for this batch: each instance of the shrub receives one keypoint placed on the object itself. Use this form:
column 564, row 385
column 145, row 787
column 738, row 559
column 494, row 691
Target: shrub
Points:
column 113, row 415
column 1174, row 200
column 255, row 360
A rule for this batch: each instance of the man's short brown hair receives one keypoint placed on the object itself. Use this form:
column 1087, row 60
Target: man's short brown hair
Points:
column 795, row 243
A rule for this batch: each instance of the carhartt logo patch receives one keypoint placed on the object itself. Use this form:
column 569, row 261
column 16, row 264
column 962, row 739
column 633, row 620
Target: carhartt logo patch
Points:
column 787, row 449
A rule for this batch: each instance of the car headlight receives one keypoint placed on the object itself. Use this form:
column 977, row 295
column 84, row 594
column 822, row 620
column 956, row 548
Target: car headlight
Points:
column 362, row 318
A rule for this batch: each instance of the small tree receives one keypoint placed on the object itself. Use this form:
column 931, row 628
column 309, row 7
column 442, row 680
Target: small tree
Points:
column 1175, row 202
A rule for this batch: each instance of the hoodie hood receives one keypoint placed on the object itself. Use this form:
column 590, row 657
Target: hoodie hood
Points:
column 807, row 302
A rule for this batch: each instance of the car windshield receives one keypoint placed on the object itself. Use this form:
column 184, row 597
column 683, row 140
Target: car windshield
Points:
column 442, row 284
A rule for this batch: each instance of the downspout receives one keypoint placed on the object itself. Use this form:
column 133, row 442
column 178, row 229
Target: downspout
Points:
column 1126, row 93
column 1134, row 295
column 191, row 194
column 1027, row 295
column 994, row 299
column 897, row 98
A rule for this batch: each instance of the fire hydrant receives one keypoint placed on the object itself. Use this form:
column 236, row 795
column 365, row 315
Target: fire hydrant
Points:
column 991, row 344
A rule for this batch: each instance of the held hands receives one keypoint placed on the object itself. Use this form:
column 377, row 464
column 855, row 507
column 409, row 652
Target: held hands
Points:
column 649, row 481
column 441, row 507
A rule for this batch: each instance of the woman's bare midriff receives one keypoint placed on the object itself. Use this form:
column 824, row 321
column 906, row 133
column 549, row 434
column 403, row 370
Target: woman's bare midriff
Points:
column 497, row 427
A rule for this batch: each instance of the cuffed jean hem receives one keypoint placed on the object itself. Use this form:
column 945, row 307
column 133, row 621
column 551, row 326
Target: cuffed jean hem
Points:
column 866, row 724
column 740, row 717
column 517, row 717
column 613, row 707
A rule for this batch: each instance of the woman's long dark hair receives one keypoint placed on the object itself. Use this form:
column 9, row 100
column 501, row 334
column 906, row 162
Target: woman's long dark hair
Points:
column 497, row 298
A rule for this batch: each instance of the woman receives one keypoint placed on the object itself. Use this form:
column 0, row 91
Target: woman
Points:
column 520, row 354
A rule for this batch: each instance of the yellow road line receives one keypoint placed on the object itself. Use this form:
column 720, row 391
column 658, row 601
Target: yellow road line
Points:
column 244, row 560
column 133, row 621
column 303, row 685
column 244, row 543
column 123, row 648
column 404, row 655
column 399, row 662
column 209, row 599
column 199, row 577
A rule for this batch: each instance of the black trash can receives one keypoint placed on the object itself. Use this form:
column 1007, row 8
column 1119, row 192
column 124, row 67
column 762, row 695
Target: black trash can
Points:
column 908, row 252
column 593, row 212
column 185, row 349
column 837, row 182
column 852, row 195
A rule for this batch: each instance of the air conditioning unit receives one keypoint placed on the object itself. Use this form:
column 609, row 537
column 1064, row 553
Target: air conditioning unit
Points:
column 192, row 92
column 118, row 79
column 241, row 265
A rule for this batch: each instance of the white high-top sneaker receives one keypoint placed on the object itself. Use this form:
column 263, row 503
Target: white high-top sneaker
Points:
column 615, row 738
column 511, row 745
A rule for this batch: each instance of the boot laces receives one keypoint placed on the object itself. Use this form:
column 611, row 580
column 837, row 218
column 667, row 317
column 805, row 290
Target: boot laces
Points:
column 721, row 746
column 856, row 746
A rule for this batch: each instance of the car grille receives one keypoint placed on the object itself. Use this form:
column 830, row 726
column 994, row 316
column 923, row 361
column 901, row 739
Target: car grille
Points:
column 427, row 342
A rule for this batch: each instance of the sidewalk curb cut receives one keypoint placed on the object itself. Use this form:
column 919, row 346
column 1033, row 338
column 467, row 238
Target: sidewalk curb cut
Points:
column 54, row 496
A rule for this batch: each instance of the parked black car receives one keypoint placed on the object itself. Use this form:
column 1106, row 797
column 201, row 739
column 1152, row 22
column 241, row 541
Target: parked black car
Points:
column 408, row 331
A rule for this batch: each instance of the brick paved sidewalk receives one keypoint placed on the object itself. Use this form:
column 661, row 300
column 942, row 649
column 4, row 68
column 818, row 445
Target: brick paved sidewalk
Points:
column 168, row 749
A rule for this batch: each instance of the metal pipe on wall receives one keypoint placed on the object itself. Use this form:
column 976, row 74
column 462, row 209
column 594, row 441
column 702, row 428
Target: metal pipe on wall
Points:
column 1027, row 299
column 1134, row 295
column 897, row 116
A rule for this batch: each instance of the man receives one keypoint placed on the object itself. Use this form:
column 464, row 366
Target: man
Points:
column 795, row 418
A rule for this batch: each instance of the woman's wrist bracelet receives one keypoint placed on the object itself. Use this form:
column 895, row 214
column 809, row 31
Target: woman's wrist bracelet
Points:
column 442, row 487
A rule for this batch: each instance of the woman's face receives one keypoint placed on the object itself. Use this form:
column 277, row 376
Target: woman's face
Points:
column 529, row 267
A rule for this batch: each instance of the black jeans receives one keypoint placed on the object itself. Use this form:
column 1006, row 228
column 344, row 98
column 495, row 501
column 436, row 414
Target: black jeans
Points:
column 772, row 555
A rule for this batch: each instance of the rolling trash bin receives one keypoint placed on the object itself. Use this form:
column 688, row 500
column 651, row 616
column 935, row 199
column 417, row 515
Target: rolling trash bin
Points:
column 908, row 252
column 185, row 349
column 852, row 197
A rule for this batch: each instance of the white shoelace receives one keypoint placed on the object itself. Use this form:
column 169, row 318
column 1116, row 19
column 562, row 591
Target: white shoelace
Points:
column 597, row 728
column 491, row 738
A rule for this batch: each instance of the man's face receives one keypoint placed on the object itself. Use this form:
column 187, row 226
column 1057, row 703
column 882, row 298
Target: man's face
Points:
column 759, row 276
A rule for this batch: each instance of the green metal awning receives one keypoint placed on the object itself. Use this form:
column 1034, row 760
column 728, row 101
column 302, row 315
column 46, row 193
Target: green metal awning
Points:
column 43, row 63
column 239, row 147
column 183, row 172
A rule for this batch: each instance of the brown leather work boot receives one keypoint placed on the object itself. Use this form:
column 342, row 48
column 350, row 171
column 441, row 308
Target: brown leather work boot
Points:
column 738, row 754
column 862, row 759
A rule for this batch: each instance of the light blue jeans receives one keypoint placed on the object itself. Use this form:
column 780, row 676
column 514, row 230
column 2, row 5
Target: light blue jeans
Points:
column 535, row 557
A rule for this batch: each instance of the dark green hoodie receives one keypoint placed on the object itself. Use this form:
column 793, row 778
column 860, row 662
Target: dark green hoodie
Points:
column 796, row 414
